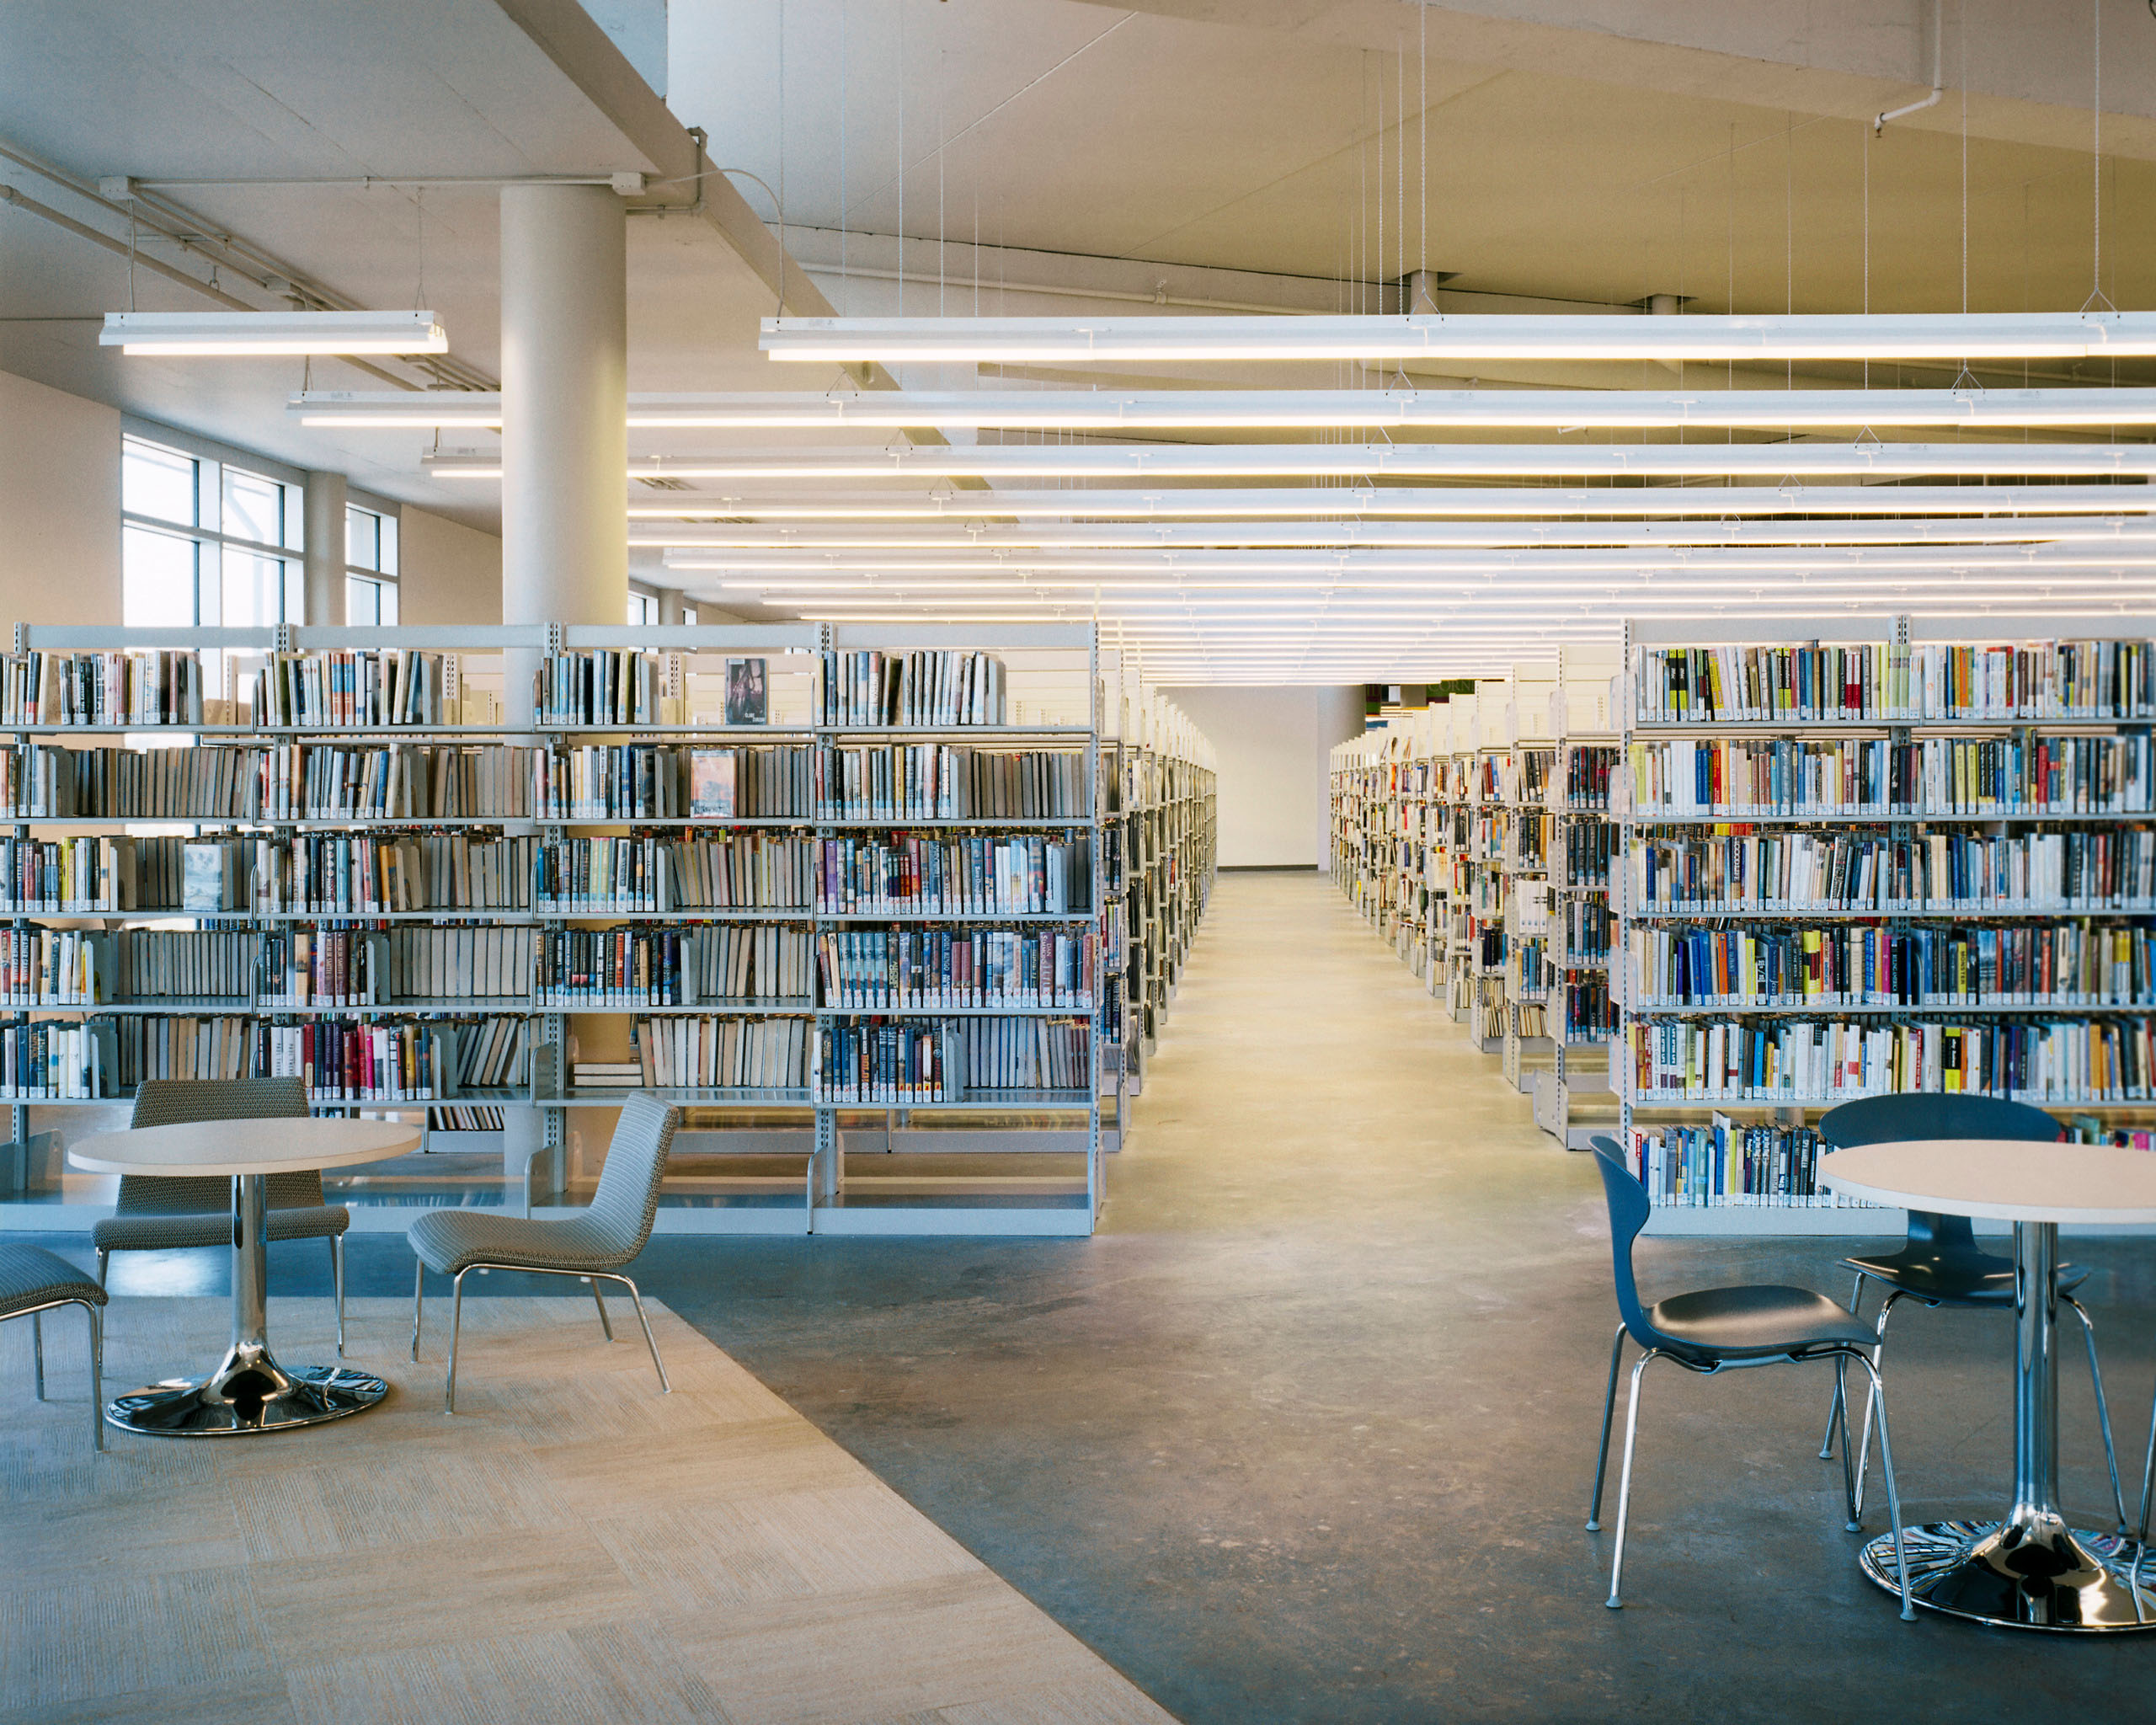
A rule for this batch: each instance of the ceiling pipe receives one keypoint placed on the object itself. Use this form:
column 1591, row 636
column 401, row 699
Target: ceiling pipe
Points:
column 1938, row 74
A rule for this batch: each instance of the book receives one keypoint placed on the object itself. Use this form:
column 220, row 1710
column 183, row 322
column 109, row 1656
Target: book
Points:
column 712, row 782
column 748, row 695
column 202, row 877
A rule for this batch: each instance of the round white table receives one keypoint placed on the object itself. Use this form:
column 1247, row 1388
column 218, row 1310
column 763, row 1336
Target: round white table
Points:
column 2028, row 1569
column 248, row 1391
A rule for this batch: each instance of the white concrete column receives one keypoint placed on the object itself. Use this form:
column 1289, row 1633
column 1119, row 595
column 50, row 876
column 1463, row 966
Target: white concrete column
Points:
column 326, row 495
column 565, row 447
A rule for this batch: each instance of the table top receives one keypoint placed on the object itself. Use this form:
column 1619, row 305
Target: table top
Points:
column 1999, row 1180
column 276, row 1146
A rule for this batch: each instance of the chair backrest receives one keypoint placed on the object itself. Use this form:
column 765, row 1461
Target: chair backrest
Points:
column 1888, row 1120
column 1630, row 1206
column 176, row 1101
column 628, row 1198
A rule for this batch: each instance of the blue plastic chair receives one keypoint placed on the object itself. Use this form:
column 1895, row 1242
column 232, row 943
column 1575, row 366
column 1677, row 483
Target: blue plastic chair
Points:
column 1715, row 1330
column 1940, row 1263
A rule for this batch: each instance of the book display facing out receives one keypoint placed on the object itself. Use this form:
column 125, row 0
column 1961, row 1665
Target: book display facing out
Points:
column 361, row 873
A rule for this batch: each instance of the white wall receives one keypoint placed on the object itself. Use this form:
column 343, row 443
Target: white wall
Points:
column 59, row 507
column 1273, row 747
column 448, row 573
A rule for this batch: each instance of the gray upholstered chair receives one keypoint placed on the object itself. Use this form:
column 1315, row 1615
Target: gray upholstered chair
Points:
column 593, row 1247
column 33, row 1281
column 162, row 1213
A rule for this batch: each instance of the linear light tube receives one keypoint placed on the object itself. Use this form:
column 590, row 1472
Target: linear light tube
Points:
column 1293, row 410
column 1130, row 462
column 1986, row 530
column 212, row 332
column 1500, row 502
column 1713, row 558
column 1587, row 336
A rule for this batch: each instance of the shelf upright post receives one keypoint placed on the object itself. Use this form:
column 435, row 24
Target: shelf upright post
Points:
column 19, row 1113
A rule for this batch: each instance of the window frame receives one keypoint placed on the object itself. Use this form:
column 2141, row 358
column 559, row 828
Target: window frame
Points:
column 213, row 461
column 387, row 583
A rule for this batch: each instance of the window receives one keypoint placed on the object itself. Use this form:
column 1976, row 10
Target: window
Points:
column 644, row 607
column 203, row 542
column 370, row 590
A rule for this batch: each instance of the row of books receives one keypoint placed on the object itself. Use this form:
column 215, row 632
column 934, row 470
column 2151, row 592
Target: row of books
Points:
column 752, row 962
column 1588, row 847
column 577, row 968
column 906, row 1061
column 2058, row 963
column 390, row 782
column 973, row 875
column 378, row 1060
column 484, row 1118
column 136, row 688
column 874, row 970
column 1588, row 928
column 1591, row 1013
column 440, row 962
column 923, row 688
column 41, row 967
column 1782, row 777
column 386, row 686
column 1725, row 1163
column 1866, row 874
column 1877, row 682
column 654, row 872
column 607, row 685
column 1588, row 769
column 950, row 781
column 1793, row 1061
column 692, row 1052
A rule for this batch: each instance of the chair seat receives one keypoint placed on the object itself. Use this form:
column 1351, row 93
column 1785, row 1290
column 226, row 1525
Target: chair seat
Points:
column 1955, row 1279
column 156, row 1233
column 449, row 1241
column 1757, row 1323
column 30, row 1276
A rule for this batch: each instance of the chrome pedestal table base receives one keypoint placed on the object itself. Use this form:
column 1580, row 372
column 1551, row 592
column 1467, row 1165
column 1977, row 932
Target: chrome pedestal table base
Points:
column 249, row 1391
column 2029, row 1571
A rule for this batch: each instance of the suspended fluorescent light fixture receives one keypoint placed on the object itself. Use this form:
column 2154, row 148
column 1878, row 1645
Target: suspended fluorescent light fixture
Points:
column 2045, row 335
column 1500, row 503
column 399, row 409
column 214, row 333
column 1212, row 534
column 1131, row 463
column 1285, row 410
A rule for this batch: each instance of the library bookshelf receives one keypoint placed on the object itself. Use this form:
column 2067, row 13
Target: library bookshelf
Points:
column 865, row 937
column 1875, row 853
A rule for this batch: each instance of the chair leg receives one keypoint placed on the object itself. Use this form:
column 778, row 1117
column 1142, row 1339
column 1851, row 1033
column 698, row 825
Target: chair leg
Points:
column 605, row 1323
column 37, row 1349
column 2103, row 1406
column 1838, row 1410
column 337, row 1278
column 665, row 1388
column 1878, row 1399
column 101, row 1255
column 1615, row 1601
column 419, row 1300
column 96, row 1374
column 1864, row 1441
column 2147, row 1476
column 1602, row 1456
column 456, row 1329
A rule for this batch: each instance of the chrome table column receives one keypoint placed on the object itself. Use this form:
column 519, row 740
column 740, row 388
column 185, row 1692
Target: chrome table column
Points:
column 2030, row 1570
column 248, row 1392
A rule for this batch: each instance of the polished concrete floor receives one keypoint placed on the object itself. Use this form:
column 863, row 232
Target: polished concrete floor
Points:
column 1304, row 1433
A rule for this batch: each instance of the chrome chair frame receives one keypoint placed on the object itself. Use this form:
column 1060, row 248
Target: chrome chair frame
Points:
column 35, row 1314
column 457, row 1314
column 1630, row 1208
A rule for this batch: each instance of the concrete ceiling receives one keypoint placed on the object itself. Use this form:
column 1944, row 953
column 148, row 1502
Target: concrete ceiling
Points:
column 1266, row 153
